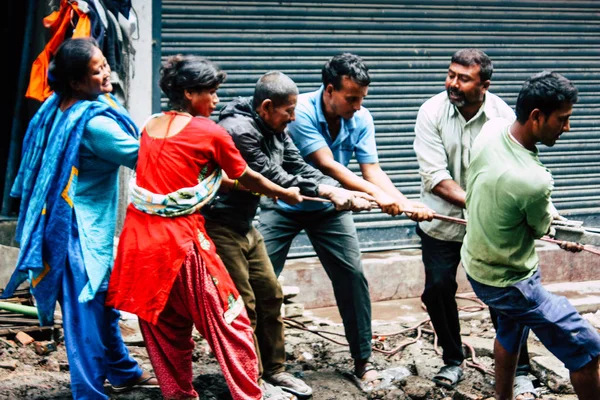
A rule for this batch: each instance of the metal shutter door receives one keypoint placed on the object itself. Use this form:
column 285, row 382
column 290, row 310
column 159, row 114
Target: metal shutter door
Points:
column 407, row 46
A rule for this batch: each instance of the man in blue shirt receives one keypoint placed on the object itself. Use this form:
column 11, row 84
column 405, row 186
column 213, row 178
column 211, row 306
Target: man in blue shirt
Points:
column 330, row 127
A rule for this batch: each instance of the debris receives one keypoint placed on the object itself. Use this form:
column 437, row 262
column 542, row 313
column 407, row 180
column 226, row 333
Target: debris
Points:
column 24, row 338
column 9, row 364
column 293, row 310
column 552, row 373
column 290, row 292
column 8, row 343
column 593, row 319
column 43, row 348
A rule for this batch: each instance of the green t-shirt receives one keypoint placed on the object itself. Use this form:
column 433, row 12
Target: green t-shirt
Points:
column 508, row 203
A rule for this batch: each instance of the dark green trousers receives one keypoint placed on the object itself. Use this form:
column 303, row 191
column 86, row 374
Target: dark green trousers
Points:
column 248, row 263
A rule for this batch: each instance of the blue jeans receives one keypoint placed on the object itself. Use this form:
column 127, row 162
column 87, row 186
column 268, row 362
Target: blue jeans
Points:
column 334, row 238
column 528, row 305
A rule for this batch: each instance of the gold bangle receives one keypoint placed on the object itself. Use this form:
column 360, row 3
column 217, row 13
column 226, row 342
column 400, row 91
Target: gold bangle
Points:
column 236, row 183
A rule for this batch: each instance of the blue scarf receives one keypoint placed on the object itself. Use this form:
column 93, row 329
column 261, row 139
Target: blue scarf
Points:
column 46, row 183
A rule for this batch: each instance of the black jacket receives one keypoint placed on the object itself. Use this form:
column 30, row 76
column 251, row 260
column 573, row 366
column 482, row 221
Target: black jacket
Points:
column 271, row 154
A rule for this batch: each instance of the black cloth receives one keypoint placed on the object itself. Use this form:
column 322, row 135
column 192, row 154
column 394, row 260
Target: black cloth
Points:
column 97, row 28
column 441, row 259
column 118, row 6
column 271, row 154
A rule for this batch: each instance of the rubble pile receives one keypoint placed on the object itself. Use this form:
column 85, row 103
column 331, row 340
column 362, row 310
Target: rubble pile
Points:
column 37, row 368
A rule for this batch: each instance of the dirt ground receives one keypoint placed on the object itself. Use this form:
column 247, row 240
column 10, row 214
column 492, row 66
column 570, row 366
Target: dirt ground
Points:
column 316, row 352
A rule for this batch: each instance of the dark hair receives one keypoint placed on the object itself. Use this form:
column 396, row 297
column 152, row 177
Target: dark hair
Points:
column 71, row 63
column 273, row 85
column 469, row 57
column 547, row 91
column 345, row 64
column 193, row 73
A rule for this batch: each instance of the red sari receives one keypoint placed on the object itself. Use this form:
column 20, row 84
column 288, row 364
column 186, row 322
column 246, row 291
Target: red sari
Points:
column 168, row 273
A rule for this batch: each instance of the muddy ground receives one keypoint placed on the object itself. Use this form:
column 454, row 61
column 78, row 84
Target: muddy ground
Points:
column 407, row 353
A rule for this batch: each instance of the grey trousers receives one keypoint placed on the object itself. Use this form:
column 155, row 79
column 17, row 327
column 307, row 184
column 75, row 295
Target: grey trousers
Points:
column 334, row 238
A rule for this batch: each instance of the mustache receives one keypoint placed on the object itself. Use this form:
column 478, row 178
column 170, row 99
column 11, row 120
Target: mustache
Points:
column 456, row 92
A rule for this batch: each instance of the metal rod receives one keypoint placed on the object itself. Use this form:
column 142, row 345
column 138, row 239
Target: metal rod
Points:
column 460, row 221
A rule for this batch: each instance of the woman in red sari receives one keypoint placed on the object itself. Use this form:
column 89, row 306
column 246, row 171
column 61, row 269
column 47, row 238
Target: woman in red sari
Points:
column 167, row 271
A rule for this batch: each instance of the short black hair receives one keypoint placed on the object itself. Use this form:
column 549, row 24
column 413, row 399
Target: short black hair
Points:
column 547, row 91
column 470, row 57
column 273, row 85
column 188, row 72
column 71, row 62
column 345, row 64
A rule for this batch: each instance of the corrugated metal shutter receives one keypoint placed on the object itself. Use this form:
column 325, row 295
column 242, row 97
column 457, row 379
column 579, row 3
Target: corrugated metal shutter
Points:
column 407, row 46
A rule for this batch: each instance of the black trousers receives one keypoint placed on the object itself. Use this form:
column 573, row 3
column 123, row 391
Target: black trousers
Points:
column 441, row 259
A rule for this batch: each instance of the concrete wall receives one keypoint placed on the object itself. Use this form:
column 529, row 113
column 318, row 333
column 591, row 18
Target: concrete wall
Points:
column 400, row 274
column 8, row 260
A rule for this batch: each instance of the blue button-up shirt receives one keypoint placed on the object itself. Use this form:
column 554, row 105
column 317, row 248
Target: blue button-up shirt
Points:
column 310, row 133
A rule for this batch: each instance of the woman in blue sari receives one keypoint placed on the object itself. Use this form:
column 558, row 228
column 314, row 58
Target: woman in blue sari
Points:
column 68, row 186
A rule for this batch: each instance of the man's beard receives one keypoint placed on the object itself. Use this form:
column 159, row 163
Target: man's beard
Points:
column 461, row 98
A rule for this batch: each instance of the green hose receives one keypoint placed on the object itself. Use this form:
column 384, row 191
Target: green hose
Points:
column 19, row 308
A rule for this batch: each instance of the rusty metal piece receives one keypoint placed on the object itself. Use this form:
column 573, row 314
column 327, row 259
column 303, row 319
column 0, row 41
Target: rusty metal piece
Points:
column 43, row 348
column 576, row 234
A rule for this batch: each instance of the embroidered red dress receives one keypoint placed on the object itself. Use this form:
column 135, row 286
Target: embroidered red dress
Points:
column 168, row 273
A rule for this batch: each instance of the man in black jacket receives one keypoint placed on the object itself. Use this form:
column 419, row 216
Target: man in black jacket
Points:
column 258, row 128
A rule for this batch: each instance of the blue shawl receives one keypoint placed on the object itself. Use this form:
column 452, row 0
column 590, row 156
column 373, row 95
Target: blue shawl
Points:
column 46, row 183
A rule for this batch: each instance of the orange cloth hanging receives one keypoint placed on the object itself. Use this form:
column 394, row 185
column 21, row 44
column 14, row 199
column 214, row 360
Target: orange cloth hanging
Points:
column 58, row 22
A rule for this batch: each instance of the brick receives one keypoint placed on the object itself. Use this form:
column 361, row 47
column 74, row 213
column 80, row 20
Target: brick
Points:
column 24, row 338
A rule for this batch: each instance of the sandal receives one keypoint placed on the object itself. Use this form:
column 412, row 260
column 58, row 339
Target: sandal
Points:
column 290, row 383
column 272, row 392
column 524, row 386
column 366, row 385
column 452, row 374
column 138, row 383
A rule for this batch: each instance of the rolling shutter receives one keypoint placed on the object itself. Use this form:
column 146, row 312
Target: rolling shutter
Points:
column 407, row 46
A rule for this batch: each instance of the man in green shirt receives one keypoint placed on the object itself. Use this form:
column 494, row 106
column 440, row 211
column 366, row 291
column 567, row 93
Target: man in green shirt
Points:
column 508, row 203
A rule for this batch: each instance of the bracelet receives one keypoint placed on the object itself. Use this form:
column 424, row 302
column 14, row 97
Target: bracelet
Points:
column 236, row 184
